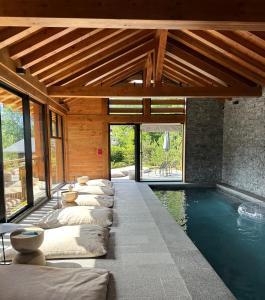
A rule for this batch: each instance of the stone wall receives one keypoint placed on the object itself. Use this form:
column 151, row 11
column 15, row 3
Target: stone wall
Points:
column 244, row 144
column 204, row 141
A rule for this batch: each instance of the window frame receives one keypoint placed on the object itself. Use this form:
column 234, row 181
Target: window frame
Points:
column 28, row 155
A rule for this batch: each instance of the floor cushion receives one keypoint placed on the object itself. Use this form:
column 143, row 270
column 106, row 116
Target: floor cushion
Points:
column 76, row 215
column 95, row 200
column 79, row 241
column 93, row 189
column 100, row 182
column 25, row 282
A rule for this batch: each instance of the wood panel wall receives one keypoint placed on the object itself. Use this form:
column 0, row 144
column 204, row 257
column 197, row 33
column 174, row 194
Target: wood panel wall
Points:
column 85, row 136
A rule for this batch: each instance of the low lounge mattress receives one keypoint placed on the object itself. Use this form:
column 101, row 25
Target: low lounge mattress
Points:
column 24, row 282
column 76, row 215
column 94, row 189
column 79, row 241
column 95, row 200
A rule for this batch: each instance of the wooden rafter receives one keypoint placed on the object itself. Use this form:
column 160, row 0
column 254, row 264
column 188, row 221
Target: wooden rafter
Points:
column 116, row 63
column 26, row 83
column 73, row 54
column 160, row 50
column 60, row 44
column 186, row 69
column 122, row 74
column 183, row 14
column 204, row 65
column 214, row 41
column 234, row 40
column 10, row 35
column 106, row 51
column 196, row 79
column 216, row 56
column 108, row 92
column 36, row 41
column 148, row 71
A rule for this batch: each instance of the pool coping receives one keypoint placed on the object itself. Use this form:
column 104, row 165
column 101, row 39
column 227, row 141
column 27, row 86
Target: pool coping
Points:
column 240, row 193
column 200, row 278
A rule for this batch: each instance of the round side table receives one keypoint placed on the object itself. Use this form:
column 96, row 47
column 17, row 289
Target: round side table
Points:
column 26, row 242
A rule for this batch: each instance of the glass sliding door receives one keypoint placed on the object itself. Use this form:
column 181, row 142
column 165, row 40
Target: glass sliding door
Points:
column 161, row 152
column 122, row 151
column 56, row 150
column 13, row 153
column 38, row 151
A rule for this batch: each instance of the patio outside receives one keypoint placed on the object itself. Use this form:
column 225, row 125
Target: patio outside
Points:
column 160, row 152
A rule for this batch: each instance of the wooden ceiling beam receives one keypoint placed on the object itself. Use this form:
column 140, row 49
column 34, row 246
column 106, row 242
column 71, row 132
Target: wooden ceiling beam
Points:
column 36, row 41
column 183, row 67
column 148, row 71
column 233, row 39
column 232, row 15
column 102, row 55
column 202, row 65
column 252, row 38
column 213, row 54
column 26, row 83
column 58, row 61
column 108, row 92
column 160, row 50
column 11, row 35
column 56, row 46
column 176, row 77
column 116, row 63
column 208, row 38
column 195, row 78
column 123, row 74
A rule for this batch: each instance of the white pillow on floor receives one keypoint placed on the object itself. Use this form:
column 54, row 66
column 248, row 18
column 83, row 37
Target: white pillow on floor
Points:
column 94, row 189
column 76, row 215
column 77, row 241
column 25, row 282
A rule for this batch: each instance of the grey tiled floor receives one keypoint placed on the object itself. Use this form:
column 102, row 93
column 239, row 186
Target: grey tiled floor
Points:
column 149, row 256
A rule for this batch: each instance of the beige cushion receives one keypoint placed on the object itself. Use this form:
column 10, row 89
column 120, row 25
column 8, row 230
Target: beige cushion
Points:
column 95, row 200
column 24, row 282
column 71, row 242
column 117, row 174
column 91, row 200
column 100, row 182
column 93, row 189
column 76, row 215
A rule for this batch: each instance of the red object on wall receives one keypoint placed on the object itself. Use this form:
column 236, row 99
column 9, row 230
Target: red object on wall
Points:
column 99, row 152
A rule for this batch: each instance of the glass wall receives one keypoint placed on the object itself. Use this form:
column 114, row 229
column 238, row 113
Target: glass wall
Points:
column 161, row 152
column 38, row 151
column 122, row 151
column 56, row 149
column 13, row 147
column 22, row 153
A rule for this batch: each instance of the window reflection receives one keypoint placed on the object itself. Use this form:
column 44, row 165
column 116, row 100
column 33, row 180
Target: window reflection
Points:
column 13, row 152
column 37, row 143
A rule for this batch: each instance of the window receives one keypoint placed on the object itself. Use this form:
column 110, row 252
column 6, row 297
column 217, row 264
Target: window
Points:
column 22, row 153
column 56, row 149
column 38, row 151
column 13, row 147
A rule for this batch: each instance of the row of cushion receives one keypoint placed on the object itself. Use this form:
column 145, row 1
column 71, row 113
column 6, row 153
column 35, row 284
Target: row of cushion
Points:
column 24, row 282
column 78, row 231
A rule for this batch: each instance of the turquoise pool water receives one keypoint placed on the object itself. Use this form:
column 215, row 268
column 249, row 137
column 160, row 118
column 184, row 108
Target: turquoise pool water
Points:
column 234, row 246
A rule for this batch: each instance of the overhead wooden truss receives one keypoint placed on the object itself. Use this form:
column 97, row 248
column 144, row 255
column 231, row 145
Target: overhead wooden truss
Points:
column 69, row 62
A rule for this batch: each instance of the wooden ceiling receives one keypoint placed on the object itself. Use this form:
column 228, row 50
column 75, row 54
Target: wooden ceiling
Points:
column 105, row 57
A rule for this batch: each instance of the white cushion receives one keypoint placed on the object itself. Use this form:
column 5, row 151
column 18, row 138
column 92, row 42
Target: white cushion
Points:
column 117, row 174
column 77, row 241
column 93, row 189
column 76, row 215
column 100, row 182
column 95, row 200
column 25, row 282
